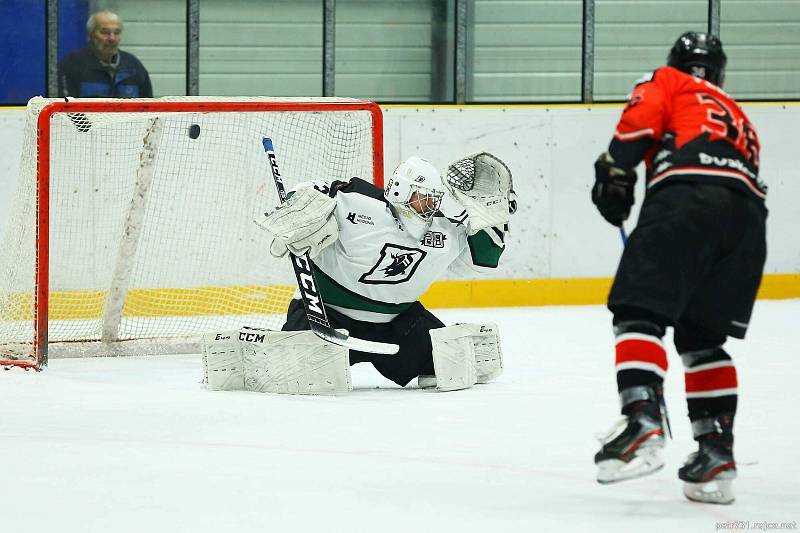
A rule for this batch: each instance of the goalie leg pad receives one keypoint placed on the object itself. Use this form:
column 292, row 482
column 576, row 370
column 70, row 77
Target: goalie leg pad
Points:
column 488, row 355
column 294, row 362
column 453, row 358
column 223, row 364
column 485, row 340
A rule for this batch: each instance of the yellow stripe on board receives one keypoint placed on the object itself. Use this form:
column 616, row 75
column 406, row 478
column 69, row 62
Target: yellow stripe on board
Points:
column 779, row 287
column 247, row 300
column 196, row 301
column 566, row 291
column 199, row 301
column 507, row 292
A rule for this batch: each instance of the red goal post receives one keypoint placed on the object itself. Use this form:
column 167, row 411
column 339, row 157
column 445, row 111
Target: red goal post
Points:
column 132, row 226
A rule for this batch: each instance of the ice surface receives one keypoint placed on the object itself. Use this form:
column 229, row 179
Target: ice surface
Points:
column 138, row 445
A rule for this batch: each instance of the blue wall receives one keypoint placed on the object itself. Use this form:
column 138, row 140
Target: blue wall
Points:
column 23, row 44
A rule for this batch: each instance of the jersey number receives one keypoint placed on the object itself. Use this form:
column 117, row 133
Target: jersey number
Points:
column 721, row 122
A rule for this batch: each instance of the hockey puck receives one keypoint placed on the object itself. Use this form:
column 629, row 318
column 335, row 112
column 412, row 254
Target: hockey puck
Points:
column 194, row 131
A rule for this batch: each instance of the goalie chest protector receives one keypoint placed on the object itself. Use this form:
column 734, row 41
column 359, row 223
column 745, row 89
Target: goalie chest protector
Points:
column 376, row 257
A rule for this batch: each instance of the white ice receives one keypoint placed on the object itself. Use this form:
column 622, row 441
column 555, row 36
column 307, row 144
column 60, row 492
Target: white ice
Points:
column 138, row 445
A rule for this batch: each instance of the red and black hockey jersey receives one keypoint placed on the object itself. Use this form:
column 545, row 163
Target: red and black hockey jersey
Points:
column 687, row 129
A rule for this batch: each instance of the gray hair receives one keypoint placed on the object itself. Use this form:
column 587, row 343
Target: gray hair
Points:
column 91, row 24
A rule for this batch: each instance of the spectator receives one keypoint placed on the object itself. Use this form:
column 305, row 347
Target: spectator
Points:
column 102, row 69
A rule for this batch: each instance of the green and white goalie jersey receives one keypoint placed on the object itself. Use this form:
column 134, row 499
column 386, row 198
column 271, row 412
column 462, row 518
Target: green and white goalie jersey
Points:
column 384, row 259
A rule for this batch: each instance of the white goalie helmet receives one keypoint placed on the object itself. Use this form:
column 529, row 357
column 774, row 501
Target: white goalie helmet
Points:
column 415, row 187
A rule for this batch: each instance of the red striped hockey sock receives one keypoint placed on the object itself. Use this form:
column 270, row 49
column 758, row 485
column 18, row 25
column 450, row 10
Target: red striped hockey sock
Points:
column 711, row 383
column 640, row 359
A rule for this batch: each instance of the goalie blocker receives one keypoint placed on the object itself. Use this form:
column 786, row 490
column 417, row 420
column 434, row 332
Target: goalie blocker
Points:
column 299, row 362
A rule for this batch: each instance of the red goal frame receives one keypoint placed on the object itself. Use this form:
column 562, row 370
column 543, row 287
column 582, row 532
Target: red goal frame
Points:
column 41, row 289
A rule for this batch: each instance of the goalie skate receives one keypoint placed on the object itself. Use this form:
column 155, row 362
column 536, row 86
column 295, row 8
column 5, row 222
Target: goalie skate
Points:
column 636, row 450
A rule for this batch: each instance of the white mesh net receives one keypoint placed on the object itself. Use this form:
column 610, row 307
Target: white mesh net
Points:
column 151, row 233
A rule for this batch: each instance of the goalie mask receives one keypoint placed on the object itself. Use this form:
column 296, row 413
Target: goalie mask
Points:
column 415, row 188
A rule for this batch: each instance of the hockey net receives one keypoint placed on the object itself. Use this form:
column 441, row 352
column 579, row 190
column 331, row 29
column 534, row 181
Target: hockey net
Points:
column 150, row 207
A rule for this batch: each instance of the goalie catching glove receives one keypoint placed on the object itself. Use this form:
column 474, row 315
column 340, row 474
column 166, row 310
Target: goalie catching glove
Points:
column 482, row 184
column 303, row 224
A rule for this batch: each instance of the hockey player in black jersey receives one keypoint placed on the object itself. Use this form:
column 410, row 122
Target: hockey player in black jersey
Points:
column 694, row 262
column 375, row 252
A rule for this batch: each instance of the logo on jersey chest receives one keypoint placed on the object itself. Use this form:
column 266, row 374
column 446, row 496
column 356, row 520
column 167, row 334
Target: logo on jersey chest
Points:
column 397, row 264
column 358, row 218
column 434, row 239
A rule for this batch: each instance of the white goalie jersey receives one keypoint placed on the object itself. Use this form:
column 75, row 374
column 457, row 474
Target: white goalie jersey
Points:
column 380, row 265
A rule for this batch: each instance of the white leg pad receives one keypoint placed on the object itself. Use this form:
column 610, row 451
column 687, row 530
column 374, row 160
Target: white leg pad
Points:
column 223, row 365
column 453, row 357
column 293, row 362
column 485, row 340
column 488, row 355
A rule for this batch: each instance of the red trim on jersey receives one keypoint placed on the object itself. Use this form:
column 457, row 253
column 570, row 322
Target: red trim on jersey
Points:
column 641, row 351
column 712, row 379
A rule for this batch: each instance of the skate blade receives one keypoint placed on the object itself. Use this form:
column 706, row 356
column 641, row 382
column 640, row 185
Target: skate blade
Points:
column 646, row 461
column 718, row 491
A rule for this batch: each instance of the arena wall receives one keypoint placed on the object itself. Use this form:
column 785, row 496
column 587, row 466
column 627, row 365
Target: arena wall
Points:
column 560, row 251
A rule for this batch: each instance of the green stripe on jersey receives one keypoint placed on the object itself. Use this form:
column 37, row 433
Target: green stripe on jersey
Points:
column 334, row 294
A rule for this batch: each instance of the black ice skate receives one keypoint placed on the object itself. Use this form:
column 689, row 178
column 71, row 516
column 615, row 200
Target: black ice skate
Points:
column 709, row 472
column 636, row 450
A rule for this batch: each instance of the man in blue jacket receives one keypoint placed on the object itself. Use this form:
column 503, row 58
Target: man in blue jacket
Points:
column 102, row 69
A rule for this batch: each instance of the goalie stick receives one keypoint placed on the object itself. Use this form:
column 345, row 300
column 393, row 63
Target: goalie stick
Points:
column 312, row 300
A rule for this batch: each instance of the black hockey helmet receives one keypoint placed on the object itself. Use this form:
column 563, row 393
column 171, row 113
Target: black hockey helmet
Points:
column 699, row 54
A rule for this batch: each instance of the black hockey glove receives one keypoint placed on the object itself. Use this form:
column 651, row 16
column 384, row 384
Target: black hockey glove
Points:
column 613, row 190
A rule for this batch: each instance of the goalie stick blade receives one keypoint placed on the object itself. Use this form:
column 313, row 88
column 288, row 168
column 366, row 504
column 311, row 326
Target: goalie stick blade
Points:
column 353, row 343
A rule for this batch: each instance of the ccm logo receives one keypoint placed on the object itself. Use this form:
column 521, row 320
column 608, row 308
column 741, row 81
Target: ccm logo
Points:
column 251, row 337
column 274, row 165
column 305, row 281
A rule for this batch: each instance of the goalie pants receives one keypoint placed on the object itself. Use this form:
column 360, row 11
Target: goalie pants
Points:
column 409, row 330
